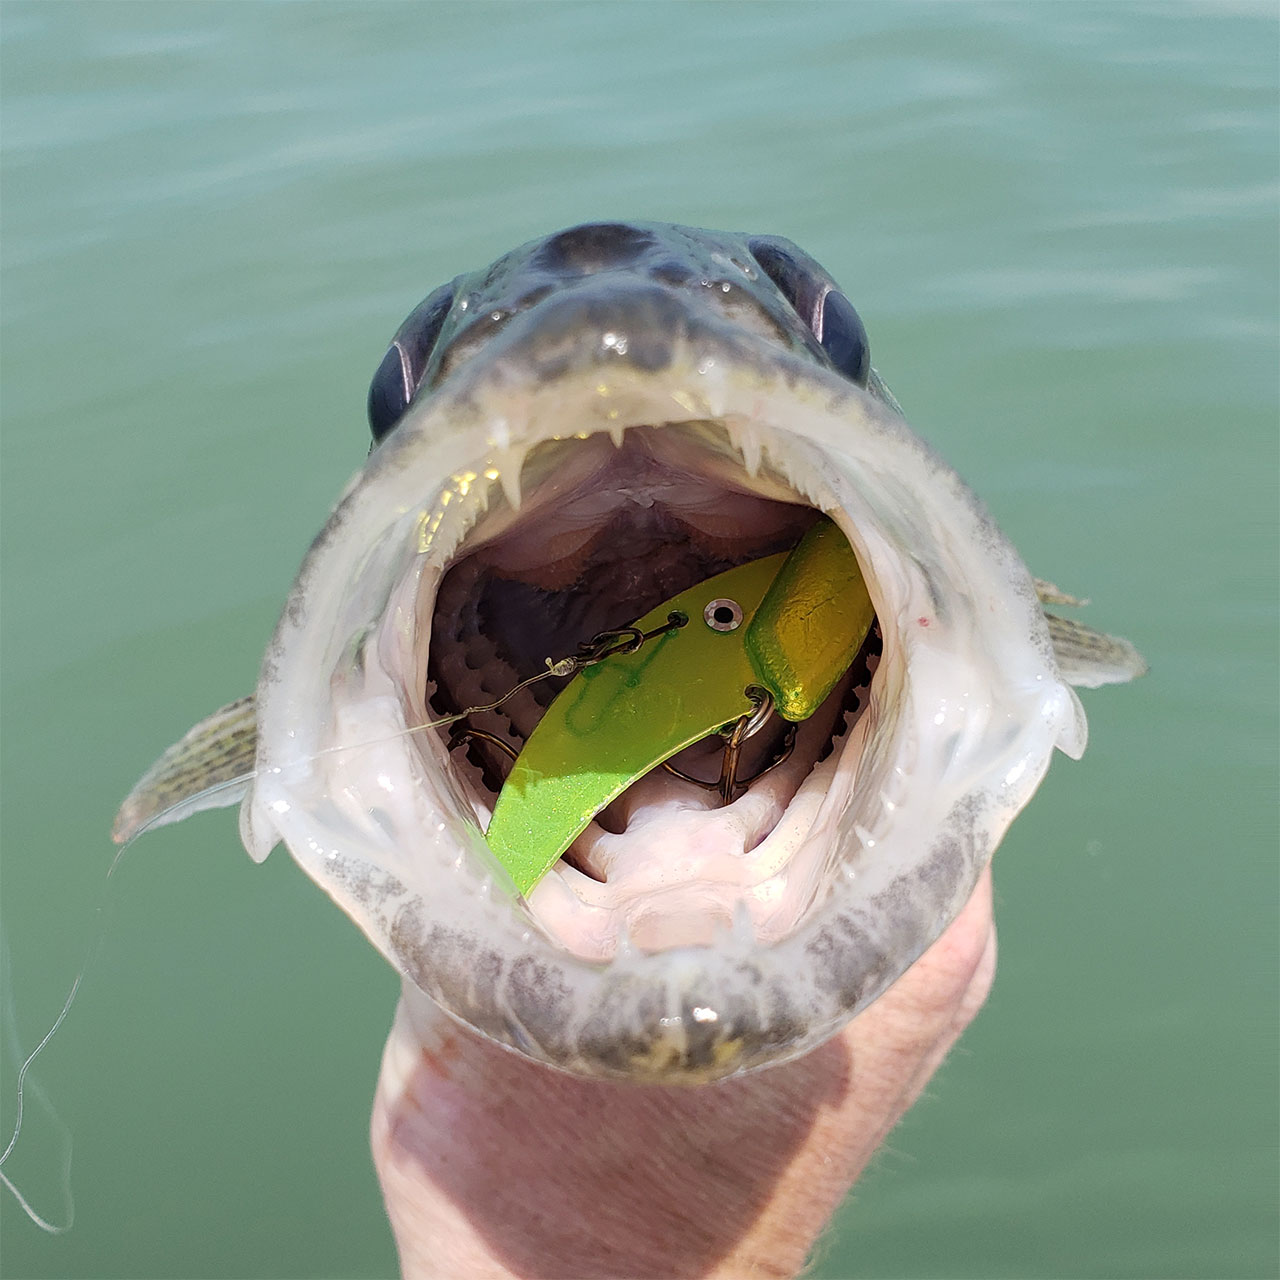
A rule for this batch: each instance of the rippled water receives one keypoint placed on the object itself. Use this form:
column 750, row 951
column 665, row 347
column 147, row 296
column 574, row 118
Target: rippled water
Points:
column 1059, row 223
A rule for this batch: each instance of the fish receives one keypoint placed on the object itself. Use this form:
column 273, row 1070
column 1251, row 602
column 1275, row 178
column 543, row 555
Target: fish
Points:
column 604, row 418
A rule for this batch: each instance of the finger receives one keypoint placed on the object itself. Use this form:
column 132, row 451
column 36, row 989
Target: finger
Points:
column 494, row 1165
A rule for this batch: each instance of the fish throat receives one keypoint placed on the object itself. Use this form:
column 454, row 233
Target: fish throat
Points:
column 610, row 527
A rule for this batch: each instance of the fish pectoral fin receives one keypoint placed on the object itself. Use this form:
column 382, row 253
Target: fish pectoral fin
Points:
column 1089, row 658
column 1048, row 593
column 209, row 767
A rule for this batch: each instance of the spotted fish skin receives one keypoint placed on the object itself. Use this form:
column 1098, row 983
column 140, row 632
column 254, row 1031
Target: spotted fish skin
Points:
column 210, row 766
column 740, row 349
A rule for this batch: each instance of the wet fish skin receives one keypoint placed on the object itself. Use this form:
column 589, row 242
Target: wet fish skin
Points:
column 728, row 330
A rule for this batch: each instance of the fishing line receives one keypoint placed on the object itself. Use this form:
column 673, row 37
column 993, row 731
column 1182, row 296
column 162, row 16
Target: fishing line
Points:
column 564, row 667
column 64, row 1134
column 11, row 1034
column 603, row 645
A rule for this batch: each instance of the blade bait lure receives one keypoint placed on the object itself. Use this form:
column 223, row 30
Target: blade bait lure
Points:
column 775, row 633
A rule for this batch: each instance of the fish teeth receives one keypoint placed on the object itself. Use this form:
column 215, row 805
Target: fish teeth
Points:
column 507, row 467
column 751, row 447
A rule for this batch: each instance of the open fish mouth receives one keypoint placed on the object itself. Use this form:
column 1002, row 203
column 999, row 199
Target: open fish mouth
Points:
column 604, row 420
column 606, row 533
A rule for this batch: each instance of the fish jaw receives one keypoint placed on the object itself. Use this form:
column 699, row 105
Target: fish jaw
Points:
column 965, row 710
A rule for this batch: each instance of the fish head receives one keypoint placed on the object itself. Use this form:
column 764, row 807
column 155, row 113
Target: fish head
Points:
column 600, row 420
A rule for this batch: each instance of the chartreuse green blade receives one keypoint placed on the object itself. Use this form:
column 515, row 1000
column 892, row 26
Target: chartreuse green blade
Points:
column 791, row 624
column 811, row 623
column 615, row 721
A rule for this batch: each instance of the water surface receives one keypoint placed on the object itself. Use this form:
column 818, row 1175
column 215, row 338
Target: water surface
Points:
column 1059, row 223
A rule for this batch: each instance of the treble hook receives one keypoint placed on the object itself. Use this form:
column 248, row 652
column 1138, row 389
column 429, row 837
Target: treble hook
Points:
column 746, row 726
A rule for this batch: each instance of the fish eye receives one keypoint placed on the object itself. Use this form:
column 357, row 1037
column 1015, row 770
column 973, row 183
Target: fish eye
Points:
column 403, row 367
column 843, row 336
column 389, row 392
column 826, row 311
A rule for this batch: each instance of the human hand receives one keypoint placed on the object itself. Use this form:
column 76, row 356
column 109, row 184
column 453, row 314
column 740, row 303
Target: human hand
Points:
column 492, row 1165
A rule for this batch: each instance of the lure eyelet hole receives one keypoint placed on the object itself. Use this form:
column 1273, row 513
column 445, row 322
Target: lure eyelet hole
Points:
column 723, row 615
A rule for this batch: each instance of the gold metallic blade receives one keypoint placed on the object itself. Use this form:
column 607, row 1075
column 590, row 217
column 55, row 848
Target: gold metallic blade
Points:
column 811, row 623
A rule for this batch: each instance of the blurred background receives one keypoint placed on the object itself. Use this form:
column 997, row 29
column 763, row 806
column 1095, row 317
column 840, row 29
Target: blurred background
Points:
column 1059, row 223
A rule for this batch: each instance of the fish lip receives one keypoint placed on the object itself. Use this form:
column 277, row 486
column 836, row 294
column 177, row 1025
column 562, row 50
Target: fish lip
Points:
column 634, row 1018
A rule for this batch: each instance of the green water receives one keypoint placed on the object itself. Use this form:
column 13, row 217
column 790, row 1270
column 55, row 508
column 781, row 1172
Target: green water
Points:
column 1060, row 225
